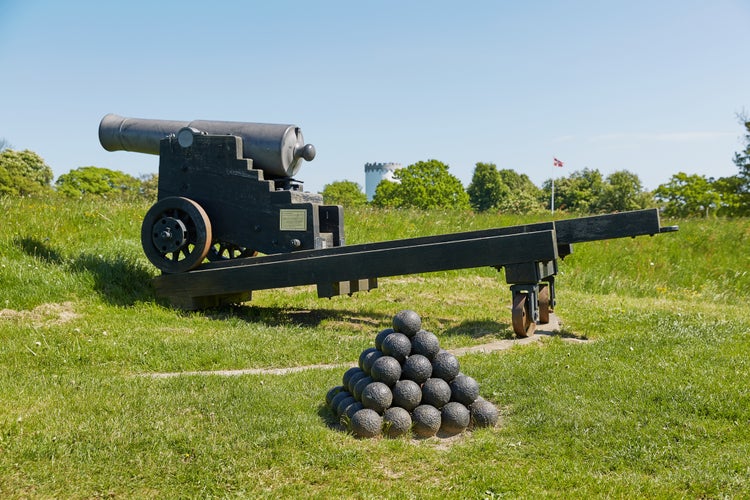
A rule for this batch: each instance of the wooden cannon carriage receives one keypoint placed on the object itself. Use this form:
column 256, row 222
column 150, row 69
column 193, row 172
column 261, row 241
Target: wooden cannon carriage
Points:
column 230, row 219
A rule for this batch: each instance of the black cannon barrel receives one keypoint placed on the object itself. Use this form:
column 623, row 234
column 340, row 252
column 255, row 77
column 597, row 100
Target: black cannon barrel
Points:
column 276, row 149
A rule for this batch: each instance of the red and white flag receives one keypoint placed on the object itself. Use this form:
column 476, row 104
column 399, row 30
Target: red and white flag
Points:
column 557, row 163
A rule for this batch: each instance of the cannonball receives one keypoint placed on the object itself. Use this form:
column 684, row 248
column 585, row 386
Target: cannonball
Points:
column 362, row 357
column 417, row 368
column 337, row 399
column 348, row 374
column 407, row 322
column 397, row 345
column 381, row 336
column 483, row 413
column 464, row 389
column 369, row 359
column 436, row 392
column 386, row 369
column 366, row 423
column 360, row 386
column 343, row 405
column 406, row 394
column 426, row 420
column 396, row 422
column 377, row 396
column 445, row 366
column 354, row 379
column 331, row 393
column 346, row 417
column 455, row 418
column 425, row 343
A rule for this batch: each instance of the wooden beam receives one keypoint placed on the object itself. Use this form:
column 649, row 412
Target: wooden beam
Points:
column 331, row 265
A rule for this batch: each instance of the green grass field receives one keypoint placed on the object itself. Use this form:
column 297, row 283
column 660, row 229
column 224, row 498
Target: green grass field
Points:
column 655, row 405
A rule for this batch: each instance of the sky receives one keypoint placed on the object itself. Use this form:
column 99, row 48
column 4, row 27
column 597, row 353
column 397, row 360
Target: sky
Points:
column 652, row 87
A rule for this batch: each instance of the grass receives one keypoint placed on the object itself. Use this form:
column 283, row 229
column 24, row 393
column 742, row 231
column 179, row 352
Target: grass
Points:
column 655, row 406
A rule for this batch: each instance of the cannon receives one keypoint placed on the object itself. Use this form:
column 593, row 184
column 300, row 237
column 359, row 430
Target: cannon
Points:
column 226, row 195
column 226, row 190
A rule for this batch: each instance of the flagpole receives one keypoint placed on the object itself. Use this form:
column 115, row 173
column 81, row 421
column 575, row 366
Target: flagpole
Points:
column 555, row 163
column 553, row 188
column 553, row 194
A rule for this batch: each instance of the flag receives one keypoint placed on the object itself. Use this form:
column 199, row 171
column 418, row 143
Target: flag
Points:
column 557, row 163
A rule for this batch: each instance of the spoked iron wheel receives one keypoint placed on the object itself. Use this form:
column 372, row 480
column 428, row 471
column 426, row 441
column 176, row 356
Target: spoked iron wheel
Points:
column 176, row 234
column 221, row 251
column 544, row 304
column 523, row 325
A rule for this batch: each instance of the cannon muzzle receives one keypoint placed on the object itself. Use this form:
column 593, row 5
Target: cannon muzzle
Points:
column 276, row 149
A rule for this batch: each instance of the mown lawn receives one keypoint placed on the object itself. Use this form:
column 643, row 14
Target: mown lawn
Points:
column 655, row 404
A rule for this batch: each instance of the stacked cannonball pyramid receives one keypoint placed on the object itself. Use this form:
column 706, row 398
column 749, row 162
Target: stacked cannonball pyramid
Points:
column 406, row 383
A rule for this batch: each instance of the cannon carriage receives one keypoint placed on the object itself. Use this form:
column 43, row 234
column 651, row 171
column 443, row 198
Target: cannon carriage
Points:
column 225, row 190
column 227, row 194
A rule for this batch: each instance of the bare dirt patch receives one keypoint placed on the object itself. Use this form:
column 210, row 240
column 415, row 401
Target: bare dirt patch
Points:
column 43, row 315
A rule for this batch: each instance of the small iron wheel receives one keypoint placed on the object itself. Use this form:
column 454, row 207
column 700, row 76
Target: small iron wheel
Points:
column 176, row 234
column 222, row 251
column 544, row 305
column 523, row 326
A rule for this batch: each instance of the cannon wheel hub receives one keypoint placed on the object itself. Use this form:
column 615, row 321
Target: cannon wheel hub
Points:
column 169, row 234
column 176, row 234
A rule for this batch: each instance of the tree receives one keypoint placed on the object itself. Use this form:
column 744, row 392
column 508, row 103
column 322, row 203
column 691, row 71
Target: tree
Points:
column 522, row 195
column 346, row 193
column 486, row 188
column 97, row 181
column 729, row 190
column 425, row 184
column 578, row 192
column 742, row 160
column 622, row 191
column 687, row 195
column 23, row 173
column 149, row 186
column 386, row 195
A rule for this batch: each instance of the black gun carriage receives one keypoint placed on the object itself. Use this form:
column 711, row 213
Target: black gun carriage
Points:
column 230, row 218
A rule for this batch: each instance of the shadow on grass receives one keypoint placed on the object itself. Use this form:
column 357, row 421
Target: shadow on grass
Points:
column 330, row 420
column 309, row 318
column 479, row 329
column 504, row 331
column 565, row 335
column 117, row 281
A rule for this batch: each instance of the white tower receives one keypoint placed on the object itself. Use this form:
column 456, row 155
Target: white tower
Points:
column 376, row 172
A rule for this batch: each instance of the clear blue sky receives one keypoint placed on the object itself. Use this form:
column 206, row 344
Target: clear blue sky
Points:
column 648, row 86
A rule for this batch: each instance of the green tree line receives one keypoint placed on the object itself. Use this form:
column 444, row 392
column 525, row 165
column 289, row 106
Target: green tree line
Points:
column 429, row 184
column 25, row 173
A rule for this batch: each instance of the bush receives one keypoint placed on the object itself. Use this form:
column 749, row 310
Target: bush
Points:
column 23, row 173
column 98, row 181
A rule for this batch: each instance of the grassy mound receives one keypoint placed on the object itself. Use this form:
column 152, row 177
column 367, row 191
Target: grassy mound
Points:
column 654, row 407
